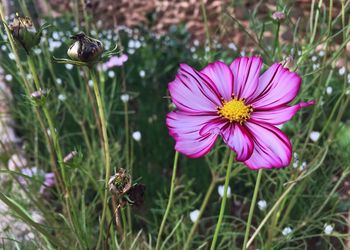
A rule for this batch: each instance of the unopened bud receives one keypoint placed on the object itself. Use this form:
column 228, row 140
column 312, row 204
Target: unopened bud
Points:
column 39, row 97
column 288, row 62
column 85, row 49
column 278, row 16
column 69, row 157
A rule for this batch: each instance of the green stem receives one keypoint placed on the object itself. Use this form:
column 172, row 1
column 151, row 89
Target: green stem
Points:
column 106, row 153
column 170, row 201
column 251, row 210
column 127, row 157
column 203, row 207
column 223, row 202
column 276, row 42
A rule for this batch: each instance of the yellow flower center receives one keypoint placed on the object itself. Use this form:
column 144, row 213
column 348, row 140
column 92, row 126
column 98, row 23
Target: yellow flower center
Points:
column 235, row 110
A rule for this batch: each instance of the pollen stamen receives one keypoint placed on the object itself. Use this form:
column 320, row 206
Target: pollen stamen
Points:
column 235, row 110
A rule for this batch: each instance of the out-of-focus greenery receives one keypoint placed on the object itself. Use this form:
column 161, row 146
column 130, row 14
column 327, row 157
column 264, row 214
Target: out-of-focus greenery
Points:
column 317, row 172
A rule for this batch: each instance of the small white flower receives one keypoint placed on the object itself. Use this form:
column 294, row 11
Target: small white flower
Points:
column 69, row 66
column 142, row 73
column 193, row 49
column 295, row 164
column 321, row 53
column 195, row 56
column 196, row 43
column 287, row 231
column 8, row 77
column 131, row 51
column 136, row 135
column 347, row 92
column 3, row 48
column 12, row 56
column 315, row 66
column 137, row 44
column 91, row 83
column 221, row 189
column 75, row 29
column 194, row 215
column 59, row 81
column 329, row 90
column 232, row 46
column 242, row 53
column 302, row 166
column 314, row 136
column 62, row 97
column 328, row 229
column 262, row 204
column 55, row 35
column 111, row 74
column 314, row 58
column 125, row 98
column 29, row 76
column 131, row 44
column 295, row 155
column 341, row 71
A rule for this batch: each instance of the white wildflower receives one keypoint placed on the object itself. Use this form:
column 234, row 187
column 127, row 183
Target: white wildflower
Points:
column 341, row 71
column 194, row 215
column 142, row 73
column 136, row 136
column 287, row 231
column 125, row 98
column 221, row 189
column 69, row 66
column 8, row 77
column 329, row 90
column 328, row 229
column 111, row 74
column 314, row 136
column 262, row 204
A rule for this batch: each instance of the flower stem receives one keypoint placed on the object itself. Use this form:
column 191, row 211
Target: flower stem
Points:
column 105, row 151
column 251, row 210
column 170, row 201
column 223, row 202
column 203, row 207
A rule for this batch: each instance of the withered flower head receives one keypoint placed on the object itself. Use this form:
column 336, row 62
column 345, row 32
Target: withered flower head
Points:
column 288, row 62
column 120, row 183
column 85, row 49
column 24, row 33
column 39, row 97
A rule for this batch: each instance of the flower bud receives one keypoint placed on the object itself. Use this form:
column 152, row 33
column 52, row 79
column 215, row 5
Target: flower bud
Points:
column 39, row 94
column 24, row 33
column 69, row 157
column 278, row 16
column 85, row 49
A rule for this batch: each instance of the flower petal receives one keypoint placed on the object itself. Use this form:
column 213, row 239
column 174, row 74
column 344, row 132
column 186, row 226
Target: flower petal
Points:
column 272, row 148
column 279, row 115
column 184, row 127
column 193, row 91
column 277, row 86
column 246, row 71
column 239, row 140
column 222, row 77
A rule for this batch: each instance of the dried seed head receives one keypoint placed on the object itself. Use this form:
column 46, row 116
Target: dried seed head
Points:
column 24, row 33
column 120, row 183
column 85, row 49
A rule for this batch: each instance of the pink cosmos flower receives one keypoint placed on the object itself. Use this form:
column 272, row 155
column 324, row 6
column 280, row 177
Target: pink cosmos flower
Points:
column 239, row 104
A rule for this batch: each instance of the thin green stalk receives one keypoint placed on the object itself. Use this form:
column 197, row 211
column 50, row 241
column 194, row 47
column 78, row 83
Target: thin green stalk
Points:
column 201, row 211
column 250, row 241
column 106, row 153
column 223, row 202
column 127, row 156
column 276, row 42
column 251, row 210
column 170, row 201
